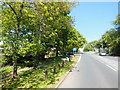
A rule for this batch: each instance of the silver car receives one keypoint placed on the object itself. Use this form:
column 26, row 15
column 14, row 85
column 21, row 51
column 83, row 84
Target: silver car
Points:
column 102, row 54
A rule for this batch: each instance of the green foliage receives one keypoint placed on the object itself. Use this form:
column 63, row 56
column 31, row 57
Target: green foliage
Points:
column 36, row 78
column 33, row 28
column 89, row 47
column 111, row 38
column 7, row 70
column 110, row 41
column 2, row 60
column 76, row 40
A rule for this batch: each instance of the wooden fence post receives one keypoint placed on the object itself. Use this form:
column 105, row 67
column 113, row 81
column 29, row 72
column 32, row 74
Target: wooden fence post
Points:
column 70, row 69
column 63, row 64
column 54, row 69
column 46, row 74
column 70, row 59
column 59, row 66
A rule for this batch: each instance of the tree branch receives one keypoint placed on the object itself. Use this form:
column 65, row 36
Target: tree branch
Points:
column 13, row 9
column 21, row 7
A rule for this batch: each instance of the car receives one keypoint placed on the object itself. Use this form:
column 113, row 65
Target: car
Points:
column 102, row 53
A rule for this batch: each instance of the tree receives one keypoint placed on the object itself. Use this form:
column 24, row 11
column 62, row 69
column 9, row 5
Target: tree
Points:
column 32, row 28
column 111, row 39
column 12, row 17
column 76, row 40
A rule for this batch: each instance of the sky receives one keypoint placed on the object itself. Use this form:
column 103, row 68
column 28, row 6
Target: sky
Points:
column 93, row 19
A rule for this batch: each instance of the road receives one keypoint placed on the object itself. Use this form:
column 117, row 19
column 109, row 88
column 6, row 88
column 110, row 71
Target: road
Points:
column 93, row 71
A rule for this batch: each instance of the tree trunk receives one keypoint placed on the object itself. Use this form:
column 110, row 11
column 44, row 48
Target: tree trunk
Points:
column 14, row 67
column 56, row 52
column 42, row 57
column 17, row 30
column 36, row 62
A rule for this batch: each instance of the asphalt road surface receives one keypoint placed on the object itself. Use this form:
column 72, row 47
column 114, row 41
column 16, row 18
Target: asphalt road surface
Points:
column 93, row 71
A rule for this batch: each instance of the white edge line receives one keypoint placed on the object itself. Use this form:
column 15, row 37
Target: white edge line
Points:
column 107, row 65
column 62, row 80
column 78, row 61
column 66, row 75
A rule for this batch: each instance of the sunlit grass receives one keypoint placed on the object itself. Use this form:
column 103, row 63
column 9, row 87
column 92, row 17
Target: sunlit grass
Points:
column 36, row 78
column 7, row 70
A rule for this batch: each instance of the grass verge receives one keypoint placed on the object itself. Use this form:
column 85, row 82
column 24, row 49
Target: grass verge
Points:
column 36, row 78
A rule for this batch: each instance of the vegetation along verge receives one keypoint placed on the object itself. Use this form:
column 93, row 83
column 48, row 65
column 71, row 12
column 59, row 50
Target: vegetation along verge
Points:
column 46, row 76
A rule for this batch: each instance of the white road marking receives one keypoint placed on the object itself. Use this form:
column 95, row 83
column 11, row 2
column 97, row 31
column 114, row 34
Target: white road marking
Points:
column 109, row 63
column 68, row 73
column 78, row 61
column 111, row 67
